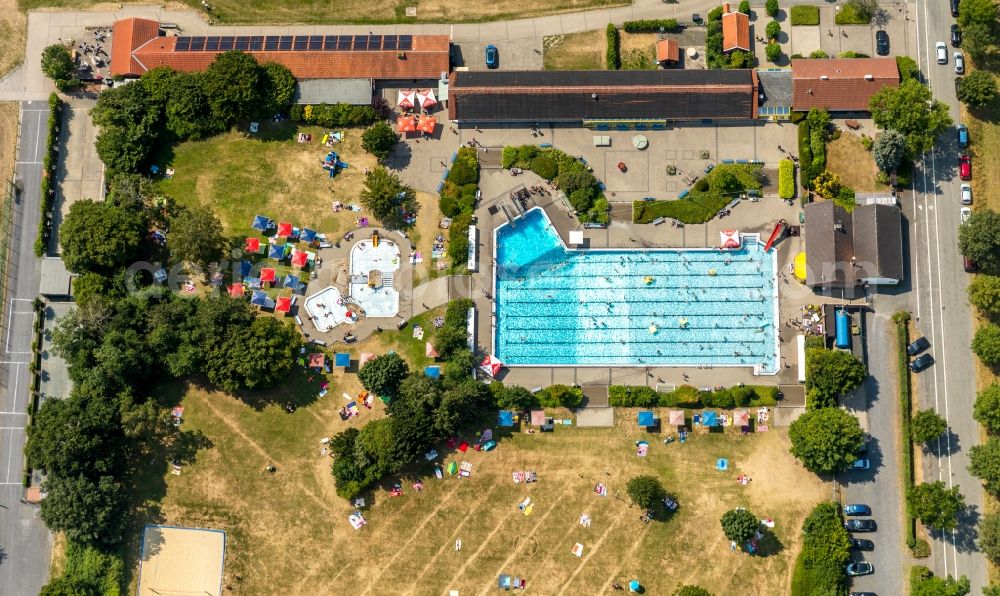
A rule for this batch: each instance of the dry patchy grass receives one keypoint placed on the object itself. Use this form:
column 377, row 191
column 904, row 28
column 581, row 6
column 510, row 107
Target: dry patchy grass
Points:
column 575, row 51
column 290, row 529
column 8, row 139
column 13, row 29
column 848, row 158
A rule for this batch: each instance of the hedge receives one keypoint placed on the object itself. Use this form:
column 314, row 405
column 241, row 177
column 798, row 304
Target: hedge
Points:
column 49, row 163
column 701, row 204
column 786, row 179
column 459, row 193
column 686, row 396
column 338, row 114
column 555, row 396
column 651, row 26
column 458, row 239
column 804, row 15
column 612, row 55
column 848, row 15
column 902, row 320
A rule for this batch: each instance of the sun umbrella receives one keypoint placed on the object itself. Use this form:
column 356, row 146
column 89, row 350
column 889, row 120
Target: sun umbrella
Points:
column 236, row 290
column 284, row 229
column 245, row 268
column 709, row 419
column 729, row 239
column 429, row 350
column 292, row 282
column 645, row 418
column 741, row 418
column 308, row 235
column 364, row 358
column 259, row 298
column 299, row 258
column 284, row 304
column 406, row 124
column 427, row 124
column 676, row 418
column 342, row 359
column 276, row 251
column 253, row 245
column 406, row 99
column 426, row 98
column 316, row 360
column 491, row 365
column 267, row 274
column 262, row 223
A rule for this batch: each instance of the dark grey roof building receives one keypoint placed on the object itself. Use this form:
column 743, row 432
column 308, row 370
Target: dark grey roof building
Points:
column 578, row 96
column 845, row 249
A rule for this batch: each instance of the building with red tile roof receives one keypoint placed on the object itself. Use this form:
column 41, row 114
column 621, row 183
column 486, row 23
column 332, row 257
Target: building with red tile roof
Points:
column 840, row 84
column 667, row 51
column 137, row 47
column 735, row 30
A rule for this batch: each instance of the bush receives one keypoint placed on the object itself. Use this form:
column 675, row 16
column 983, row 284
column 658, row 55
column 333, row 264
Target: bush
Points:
column 639, row 396
column 651, row 26
column 797, row 117
column 924, row 583
column 849, row 14
column 333, row 115
column 714, row 15
column 804, row 15
column 772, row 51
column 908, row 68
column 819, row 568
column 771, row 7
column 685, row 396
column 772, row 30
column 564, row 396
column 852, row 54
column 508, row 157
column 49, row 163
column 986, row 344
column 745, row 7
column 545, row 167
column 984, row 294
column 612, row 56
column 818, row 54
column 701, row 185
column 458, row 239
column 786, row 179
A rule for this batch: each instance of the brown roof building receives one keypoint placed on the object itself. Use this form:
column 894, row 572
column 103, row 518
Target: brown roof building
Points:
column 667, row 51
column 845, row 249
column 735, row 30
column 840, row 84
column 138, row 47
column 594, row 95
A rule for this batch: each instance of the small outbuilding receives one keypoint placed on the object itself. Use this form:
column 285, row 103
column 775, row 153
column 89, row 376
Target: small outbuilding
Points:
column 667, row 52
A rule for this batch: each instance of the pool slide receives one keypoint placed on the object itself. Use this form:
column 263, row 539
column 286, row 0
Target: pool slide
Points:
column 778, row 227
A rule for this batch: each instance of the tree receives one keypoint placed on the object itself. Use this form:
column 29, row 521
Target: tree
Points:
column 986, row 344
column 977, row 38
column 934, row 505
column 865, row 9
column 387, row 198
column 379, row 140
column 689, row 590
column 826, row 548
column 188, row 111
column 772, row 51
column 926, row 426
column 159, row 84
column 232, row 82
column 196, row 237
column 977, row 89
column 986, row 410
column 739, row 525
column 57, row 64
column 772, row 30
column 888, row 150
column 984, row 294
column 130, row 123
column 830, row 373
column 646, row 491
column 277, row 88
column 89, row 511
column 924, row 583
column 771, row 7
column 97, row 236
column 826, row 440
column 383, row 374
column 257, row 356
column 984, row 464
column 989, row 536
column 514, row 397
column 911, row 110
column 979, row 239
column 983, row 12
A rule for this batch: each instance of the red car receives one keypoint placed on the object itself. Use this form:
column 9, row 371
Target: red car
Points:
column 965, row 167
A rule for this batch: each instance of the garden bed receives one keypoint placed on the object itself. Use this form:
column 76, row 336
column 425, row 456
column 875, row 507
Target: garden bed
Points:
column 705, row 199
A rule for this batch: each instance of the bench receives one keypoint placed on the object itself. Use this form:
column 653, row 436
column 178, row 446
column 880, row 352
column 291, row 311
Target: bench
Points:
column 852, row 124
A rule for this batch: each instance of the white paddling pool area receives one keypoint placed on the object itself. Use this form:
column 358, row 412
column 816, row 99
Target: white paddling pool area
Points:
column 557, row 306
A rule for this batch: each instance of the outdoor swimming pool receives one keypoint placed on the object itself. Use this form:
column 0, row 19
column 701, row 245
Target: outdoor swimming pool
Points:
column 561, row 307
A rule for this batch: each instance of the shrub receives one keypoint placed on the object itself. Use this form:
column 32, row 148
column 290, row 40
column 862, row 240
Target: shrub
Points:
column 786, row 179
column 556, row 396
column 819, row 54
column 525, row 153
column 908, row 68
column 640, row 396
column 612, row 56
column 545, row 167
column 852, row 54
column 772, row 30
column 651, row 26
column 986, row 344
column 804, row 15
column 819, row 568
column 458, row 239
column 771, row 7
column 465, row 170
column 850, row 14
column 701, row 185
column 772, row 51
column 745, row 7
column 508, row 157
column 714, row 15
column 49, row 163
column 332, row 115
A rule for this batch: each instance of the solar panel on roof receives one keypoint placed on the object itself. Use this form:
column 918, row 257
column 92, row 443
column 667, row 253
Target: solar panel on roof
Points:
column 344, row 42
column 315, row 42
column 212, row 43
column 285, row 43
column 360, row 42
column 256, row 43
column 197, row 44
column 226, row 43
column 375, row 42
column 183, row 44
column 241, row 43
column 390, row 42
column 301, row 43
column 330, row 43
column 271, row 42
column 406, row 42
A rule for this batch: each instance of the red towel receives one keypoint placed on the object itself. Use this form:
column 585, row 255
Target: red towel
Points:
column 463, row 447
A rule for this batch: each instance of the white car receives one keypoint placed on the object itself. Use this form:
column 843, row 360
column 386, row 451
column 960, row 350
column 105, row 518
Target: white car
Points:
column 959, row 63
column 966, row 194
column 965, row 213
column 942, row 52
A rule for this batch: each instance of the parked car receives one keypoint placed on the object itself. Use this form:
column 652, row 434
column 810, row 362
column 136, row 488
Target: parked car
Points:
column 919, row 345
column 959, row 63
column 956, row 35
column 965, row 167
column 954, row 8
column 966, row 194
column 942, row 52
column 862, row 544
column 921, row 362
column 860, row 568
column 864, row 446
column 857, row 510
column 492, row 56
column 964, row 213
column 860, row 525
column 670, row 504
column 861, row 464
column 881, row 42
column 963, row 135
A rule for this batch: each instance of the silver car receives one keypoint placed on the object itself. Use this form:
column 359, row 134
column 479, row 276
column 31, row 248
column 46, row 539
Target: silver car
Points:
column 942, row 52
column 959, row 63
column 965, row 213
column 966, row 194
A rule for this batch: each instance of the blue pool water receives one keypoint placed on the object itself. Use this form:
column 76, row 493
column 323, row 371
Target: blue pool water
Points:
column 563, row 307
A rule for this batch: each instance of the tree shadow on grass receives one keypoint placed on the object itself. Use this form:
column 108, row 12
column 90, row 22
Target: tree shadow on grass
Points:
column 769, row 545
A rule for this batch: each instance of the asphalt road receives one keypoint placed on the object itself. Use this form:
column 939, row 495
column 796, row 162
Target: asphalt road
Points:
column 942, row 310
column 879, row 487
column 24, row 539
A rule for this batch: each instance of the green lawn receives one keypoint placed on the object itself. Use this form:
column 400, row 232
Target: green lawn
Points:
column 848, row 15
column 804, row 14
column 700, row 205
